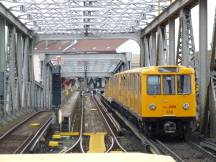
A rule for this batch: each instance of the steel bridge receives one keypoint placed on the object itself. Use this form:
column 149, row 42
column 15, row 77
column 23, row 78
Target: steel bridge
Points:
column 152, row 23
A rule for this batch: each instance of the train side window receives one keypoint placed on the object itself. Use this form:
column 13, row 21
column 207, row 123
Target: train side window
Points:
column 184, row 84
column 153, row 85
column 168, row 84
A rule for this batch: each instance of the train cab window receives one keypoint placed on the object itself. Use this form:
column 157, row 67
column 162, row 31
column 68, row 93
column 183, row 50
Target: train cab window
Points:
column 168, row 84
column 184, row 84
column 153, row 85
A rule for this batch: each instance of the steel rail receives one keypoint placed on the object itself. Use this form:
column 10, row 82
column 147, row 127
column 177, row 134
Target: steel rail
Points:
column 202, row 150
column 79, row 140
column 167, row 150
column 33, row 139
column 40, row 133
column 18, row 125
column 28, row 141
column 100, row 109
column 111, row 146
column 81, row 128
column 148, row 143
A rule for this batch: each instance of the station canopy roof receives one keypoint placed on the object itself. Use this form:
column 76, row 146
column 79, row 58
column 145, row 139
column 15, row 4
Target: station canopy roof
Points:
column 85, row 16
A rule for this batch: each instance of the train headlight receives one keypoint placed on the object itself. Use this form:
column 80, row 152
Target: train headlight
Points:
column 152, row 106
column 186, row 106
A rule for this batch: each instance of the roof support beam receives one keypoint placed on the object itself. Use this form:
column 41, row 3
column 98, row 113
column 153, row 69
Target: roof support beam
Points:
column 134, row 36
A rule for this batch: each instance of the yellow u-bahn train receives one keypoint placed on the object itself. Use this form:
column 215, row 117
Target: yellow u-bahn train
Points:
column 158, row 99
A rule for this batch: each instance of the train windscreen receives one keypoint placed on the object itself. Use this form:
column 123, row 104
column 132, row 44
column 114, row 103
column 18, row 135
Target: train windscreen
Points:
column 153, row 85
column 184, row 84
column 168, row 84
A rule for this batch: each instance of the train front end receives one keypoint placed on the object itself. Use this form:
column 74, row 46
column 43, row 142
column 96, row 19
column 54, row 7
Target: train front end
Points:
column 169, row 103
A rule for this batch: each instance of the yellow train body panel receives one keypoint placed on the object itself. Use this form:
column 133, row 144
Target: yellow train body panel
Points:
column 129, row 88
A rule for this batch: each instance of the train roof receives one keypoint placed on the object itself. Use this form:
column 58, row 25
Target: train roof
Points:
column 160, row 69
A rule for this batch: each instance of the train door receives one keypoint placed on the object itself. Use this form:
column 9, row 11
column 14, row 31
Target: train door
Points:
column 140, row 94
column 135, row 93
column 128, row 89
column 131, row 91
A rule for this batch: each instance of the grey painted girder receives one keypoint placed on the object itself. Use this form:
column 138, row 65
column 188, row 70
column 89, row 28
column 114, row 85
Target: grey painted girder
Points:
column 170, row 12
column 19, row 58
column 135, row 36
column 11, row 89
column 142, row 52
column 11, row 19
column 153, row 48
column 3, row 64
column 160, row 46
column 25, row 74
column 104, row 16
column 172, row 41
column 203, row 58
column 147, row 52
column 186, row 48
column 211, row 100
column 20, row 93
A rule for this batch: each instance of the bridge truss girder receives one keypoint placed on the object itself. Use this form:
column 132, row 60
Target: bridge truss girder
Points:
column 163, row 27
column 19, row 93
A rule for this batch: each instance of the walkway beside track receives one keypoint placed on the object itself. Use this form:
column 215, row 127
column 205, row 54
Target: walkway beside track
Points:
column 66, row 112
column 68, row 108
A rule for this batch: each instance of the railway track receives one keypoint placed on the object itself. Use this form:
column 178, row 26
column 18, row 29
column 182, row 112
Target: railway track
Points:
column 147, row 143
column 185, row 151
column 80, row 140
column 80, row 119
column 111, row 125
column 22, row 137
column 181, row 151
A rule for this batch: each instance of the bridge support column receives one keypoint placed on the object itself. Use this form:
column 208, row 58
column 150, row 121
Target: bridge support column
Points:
column 172, row 41
column 142, row 53
column 160, row 46
column 11, row 89
column 203, row 59
column 19, row 57
column 24, row 102
column 146, row 47
column 2, row 68
column 153, row 49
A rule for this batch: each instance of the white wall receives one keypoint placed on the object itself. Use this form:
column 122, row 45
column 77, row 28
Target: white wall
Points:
column 129, row 46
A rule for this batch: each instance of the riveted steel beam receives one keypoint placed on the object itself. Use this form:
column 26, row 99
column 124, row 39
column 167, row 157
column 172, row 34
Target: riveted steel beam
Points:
column 134, row 36
column 170, row 12
column 203, row 59
column 172, row 42
column 153, row 48
column 12, row 20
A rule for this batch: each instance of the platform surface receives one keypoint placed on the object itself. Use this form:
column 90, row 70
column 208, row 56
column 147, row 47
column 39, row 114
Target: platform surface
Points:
column 68, row 108
column 89, row 157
